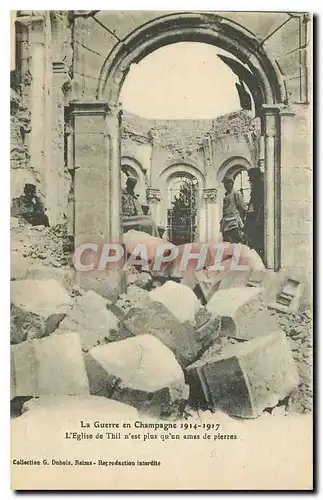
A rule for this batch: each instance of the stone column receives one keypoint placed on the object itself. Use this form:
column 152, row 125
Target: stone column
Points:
column 36, row 91
column 61, row 89
column 271, row 124
column 113, row 232
column 92, row 178
column 211, row 214
column 55, row 176
column 97, row 187
column 153, row 199
column 37, row 97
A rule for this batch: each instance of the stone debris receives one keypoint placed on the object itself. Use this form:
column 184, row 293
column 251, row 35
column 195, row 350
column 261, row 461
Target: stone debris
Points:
column 206, row 285
column 245, row 378
column 92, row 320
column 299, row 331
column 288, row 299
column 81, row 405
column 179, row 300
column 37, row 308
column 49, row 366
column 141, row 280
column 140, row 371
column 152, row 317
column 244, row 314
column 107, row 283
column 44, row 245
column 140, row 339
column 26, row 268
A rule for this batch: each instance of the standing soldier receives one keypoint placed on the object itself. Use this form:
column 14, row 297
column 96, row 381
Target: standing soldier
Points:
column 130, row 204
column 233, row 213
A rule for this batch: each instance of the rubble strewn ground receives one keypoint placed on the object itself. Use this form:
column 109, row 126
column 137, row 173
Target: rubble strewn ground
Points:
column 142, row 349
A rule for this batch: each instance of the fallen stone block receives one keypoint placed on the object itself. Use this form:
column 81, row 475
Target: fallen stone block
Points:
column 244, row 314
column 24, row 268
column 37, row 308
column 288, row 299
column 256, row 278
column 206, row 285
column 179, row 299
column 49, row 366
column 108, row 283
column 140, row 371
column 81, row 405
column 63, row 275
column 150, row 317
column 142, row 280
column 92, row 320
column 245, row 378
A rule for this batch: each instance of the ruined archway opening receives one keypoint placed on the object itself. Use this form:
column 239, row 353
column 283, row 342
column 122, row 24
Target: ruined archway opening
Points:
column 257, row 72
column 181, row 103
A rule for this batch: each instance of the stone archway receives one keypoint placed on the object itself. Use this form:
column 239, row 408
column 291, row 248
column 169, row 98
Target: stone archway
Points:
column 262, row 79
column 231, row 166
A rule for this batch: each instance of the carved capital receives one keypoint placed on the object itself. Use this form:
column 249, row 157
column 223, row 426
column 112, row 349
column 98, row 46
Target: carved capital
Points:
column 210, row 195
column 153, row 195
column 90, row 108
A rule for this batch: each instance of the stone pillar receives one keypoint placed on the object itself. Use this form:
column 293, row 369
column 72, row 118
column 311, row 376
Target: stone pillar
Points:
column 113, row 232
column 36, row 82
column 97, row 187
column 212, row 214
column 37, row 97
column 271, row 129
column 55, row 176
column 61, row 86
column 92, row 177
column 153, row 199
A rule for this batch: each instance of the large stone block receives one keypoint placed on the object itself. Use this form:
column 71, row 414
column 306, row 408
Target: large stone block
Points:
column 150, row 317
column 26, row 268
column 139, row 371
column 245, row 378
column 49, row 366
column 37, row 307
column 109, row 283
column 179, row 299
column 91, row 319
column 244, row 314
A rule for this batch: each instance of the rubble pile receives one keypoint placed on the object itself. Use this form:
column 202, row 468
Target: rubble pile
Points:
column 38, row 244
column 298, row 329
column 163, row 351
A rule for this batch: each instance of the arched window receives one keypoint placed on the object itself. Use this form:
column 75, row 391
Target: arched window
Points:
column 181, row 215
column 241, row 184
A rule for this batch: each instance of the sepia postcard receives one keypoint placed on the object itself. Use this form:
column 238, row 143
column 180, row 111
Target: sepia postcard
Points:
column 161, row 250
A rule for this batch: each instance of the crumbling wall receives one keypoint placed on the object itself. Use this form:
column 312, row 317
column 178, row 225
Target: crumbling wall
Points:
column 40, row 86
column 21, row 172
column 206, row 144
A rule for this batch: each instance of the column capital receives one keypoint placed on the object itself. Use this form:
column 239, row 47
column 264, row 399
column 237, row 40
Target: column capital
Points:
column 89, row 108
column 153, row 195
column 276, row 109
column 30, row 19
column 210, row 195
